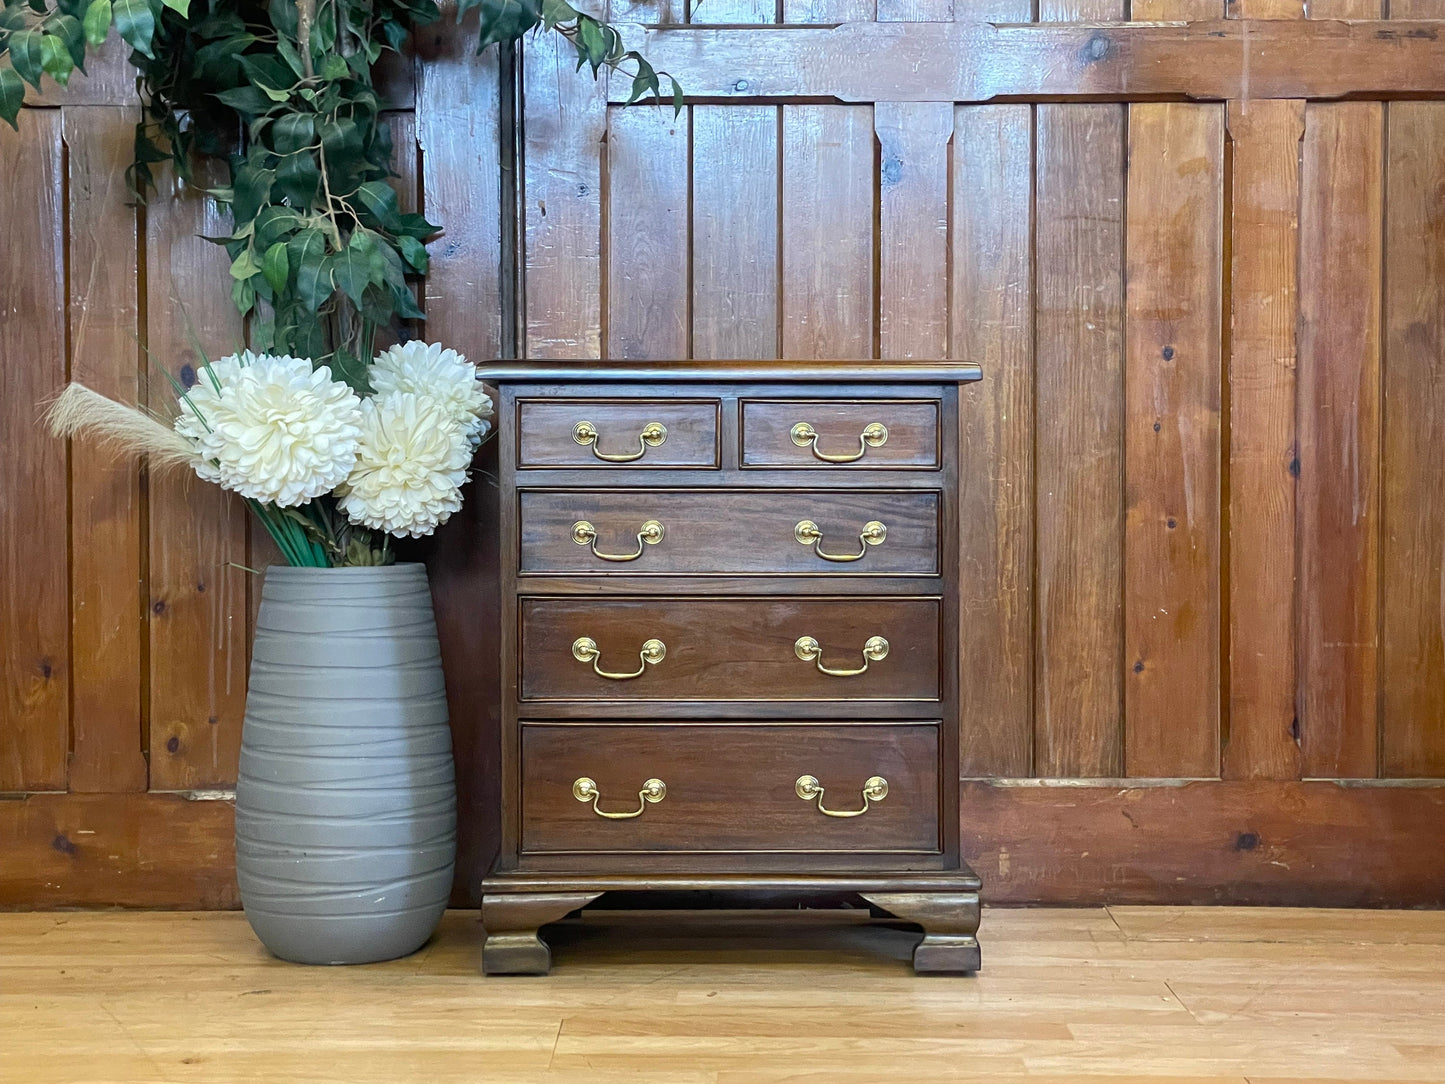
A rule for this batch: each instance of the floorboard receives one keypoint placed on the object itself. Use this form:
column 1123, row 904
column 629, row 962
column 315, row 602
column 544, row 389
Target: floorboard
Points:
column 1168, row 995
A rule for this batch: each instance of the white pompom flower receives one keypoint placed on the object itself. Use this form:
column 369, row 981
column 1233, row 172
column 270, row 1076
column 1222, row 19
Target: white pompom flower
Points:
column 196, row 404
column 443, row 375
column 410, row 467
column 280, row 432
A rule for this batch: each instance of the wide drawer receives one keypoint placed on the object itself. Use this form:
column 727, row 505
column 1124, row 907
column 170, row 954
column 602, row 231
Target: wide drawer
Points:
column 730, row 787
column 739, row 649
column 689, row 532
column 617, row 433
column 857, row 434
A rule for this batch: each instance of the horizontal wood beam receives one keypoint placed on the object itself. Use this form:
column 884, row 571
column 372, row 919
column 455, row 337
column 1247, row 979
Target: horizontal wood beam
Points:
column 980, row 62
column 1318, row 843
column 1310, row 844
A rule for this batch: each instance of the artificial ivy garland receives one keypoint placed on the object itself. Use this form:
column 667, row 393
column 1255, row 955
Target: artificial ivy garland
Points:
column 320, row 251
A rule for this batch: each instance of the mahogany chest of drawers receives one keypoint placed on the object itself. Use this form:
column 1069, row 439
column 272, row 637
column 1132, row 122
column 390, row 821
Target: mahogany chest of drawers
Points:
column 729, row 640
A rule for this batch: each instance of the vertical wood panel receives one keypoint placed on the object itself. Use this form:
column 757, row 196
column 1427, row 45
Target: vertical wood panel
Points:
column 565, row 119
column 1412, row 645
column 457, row 127
column 197, row 532
column 734, row 11
column 913, row 140
column 735, row 231
column 34, row 611
column 1339, row 437
column 647, row 233
column 828, row 11
column 992, row 317
column 1079, row 344
column 827, row 231
column 1171, row 542
column 1262, row 443
column 107, row 605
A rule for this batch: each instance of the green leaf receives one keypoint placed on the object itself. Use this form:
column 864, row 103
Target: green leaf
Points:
column 334, row 67
column 137, row 25
column 293, row 131
column 505, row 20
column 307, row 254
column 244, row 295
column 298, row 180
column 354, row 268
column 244, row 265
column 12, row 94
column 288, row 53
column 247, row 101
column 26, row 54
column 415, row 253
column 55, row 59
column 379, row 198
column 180, row 7
column 68, row 29
column 276, row 266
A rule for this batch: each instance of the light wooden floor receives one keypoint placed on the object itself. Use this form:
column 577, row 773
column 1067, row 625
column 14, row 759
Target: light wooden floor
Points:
column 1157, row 994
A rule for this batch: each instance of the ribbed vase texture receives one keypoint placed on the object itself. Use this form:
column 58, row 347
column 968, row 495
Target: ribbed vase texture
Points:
column 346, row 814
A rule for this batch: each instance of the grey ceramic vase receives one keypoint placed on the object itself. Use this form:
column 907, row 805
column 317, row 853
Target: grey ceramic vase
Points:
column 346, row 810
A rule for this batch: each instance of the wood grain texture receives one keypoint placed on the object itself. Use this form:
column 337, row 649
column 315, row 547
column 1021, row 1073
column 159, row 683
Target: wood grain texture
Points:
column 841, row 425
column 1079, row 390
column 1171, row 995
column 1064, row 60
column 1338, row 509
column 913, row 139
column 1263, row 464
column 198, row 604
column 1254, row 842
column 827, row 273
column 828, row 11
column 710, row 768
column 460, row 182
column 565, row 122
column 735, row 226
column 117, row 850
column 34, row 609
column 1412, row 556
column 647, row 233
column 733, row 11
column 992, row 316
column 1172, row 450
column 458, row 93
column 106, row 559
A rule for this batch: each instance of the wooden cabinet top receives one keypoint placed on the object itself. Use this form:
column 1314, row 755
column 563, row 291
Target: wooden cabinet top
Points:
column 771, row 372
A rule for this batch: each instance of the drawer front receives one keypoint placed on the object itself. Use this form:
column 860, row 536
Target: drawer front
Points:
column 729, row 787
column 687, row 532
column 832, row 433
column 617, row 433
column 730, row 649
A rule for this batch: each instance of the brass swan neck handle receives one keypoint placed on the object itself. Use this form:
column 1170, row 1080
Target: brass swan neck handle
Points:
column 584, row 534
column 875, row 649
column 874, row 435
column 653, row 791
column 875, row 789
column 584, row 649
column 653, row 434
column 809, row 533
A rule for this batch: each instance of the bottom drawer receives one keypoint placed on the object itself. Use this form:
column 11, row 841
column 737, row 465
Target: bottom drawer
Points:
column 730, row 787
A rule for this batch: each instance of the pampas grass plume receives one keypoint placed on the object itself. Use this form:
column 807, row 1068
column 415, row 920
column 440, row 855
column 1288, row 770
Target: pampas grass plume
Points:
column 79, row 411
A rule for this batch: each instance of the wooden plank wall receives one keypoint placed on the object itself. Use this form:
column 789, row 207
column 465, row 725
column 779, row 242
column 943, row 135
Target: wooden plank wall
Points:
column 1204, row 506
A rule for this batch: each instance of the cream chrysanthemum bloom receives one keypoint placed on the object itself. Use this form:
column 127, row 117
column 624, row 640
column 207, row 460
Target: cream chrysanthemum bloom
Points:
column 280, row 432
column 410, row 467
column 200, row 398
column 443, row 375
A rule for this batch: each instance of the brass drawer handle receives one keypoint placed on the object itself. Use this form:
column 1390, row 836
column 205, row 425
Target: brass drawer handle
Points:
column 653, row 434
column 875, row 789
column 584, row 534
column 585, row 790
column 808, row 533
column 874, row 435
column 874, row 650
column 584, row 649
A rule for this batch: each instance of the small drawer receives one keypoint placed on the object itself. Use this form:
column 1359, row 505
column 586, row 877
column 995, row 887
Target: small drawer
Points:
column 597, row 787
column 691, row 532
column 737, row 649
column 617, row 433
column 858, row 434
